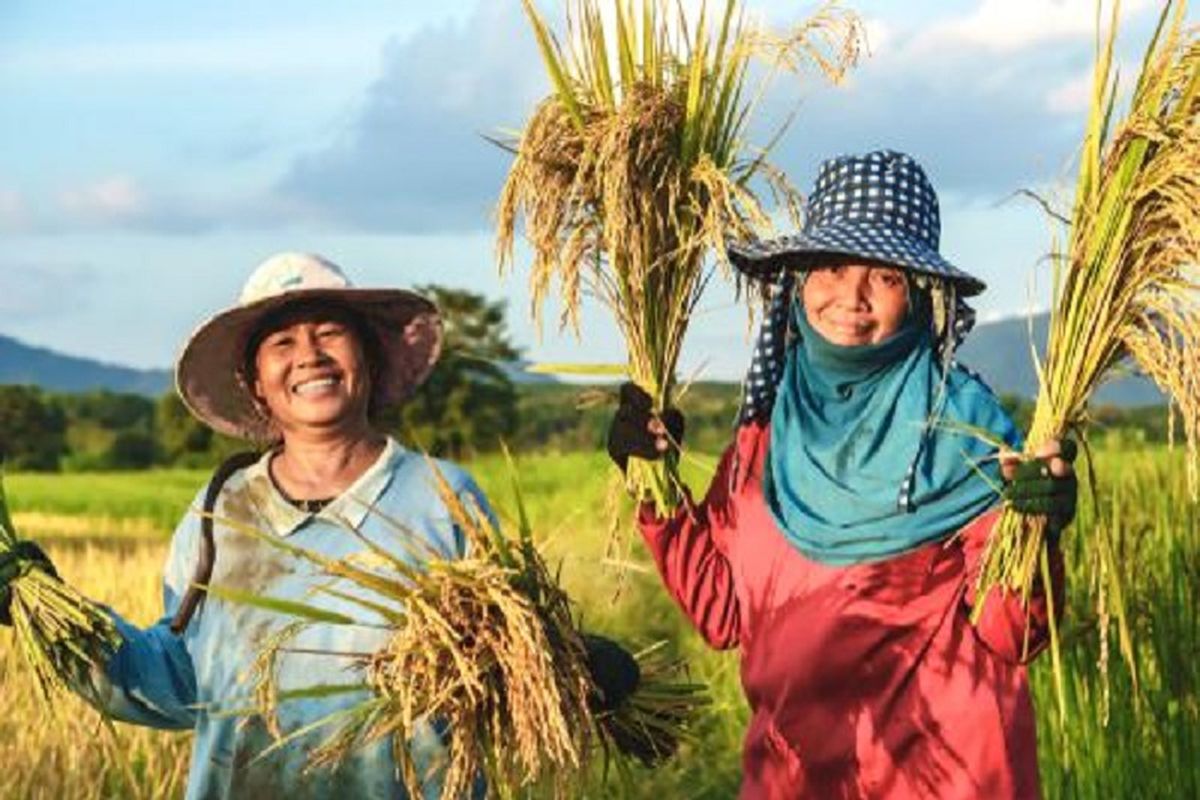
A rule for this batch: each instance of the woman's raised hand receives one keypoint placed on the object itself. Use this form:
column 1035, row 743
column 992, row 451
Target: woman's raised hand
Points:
column 637, row 431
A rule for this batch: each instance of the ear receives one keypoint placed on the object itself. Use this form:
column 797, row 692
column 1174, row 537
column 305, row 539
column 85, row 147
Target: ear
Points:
column 257, row 395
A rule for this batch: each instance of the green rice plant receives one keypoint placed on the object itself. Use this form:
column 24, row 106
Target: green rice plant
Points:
column 488, row 647
column 1134, row 730
column 1125, row 282
column 1146, row 744
column 59, row 632
column 155, row 499
column 635, row 169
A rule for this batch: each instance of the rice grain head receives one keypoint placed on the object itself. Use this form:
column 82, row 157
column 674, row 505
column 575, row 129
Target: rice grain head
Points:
column 635, row 170
column 484, row 648
column 59, row 632
column 1125, row 284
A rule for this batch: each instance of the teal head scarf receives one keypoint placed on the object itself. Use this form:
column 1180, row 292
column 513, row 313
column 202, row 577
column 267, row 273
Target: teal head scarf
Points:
column 869, row 454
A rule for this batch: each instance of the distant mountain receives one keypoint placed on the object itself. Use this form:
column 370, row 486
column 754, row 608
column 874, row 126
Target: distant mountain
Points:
column 518, row 374
column 22, row 363
column 1000, row 352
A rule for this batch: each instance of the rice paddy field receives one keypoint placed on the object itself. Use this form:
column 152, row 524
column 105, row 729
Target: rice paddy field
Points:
column 108, row 535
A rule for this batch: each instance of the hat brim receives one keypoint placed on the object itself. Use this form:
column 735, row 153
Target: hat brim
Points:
column 208, row 372
column 765, row 260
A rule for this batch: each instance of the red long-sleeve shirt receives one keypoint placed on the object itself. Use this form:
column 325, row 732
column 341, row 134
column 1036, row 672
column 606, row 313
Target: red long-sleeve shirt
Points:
column 866, row 681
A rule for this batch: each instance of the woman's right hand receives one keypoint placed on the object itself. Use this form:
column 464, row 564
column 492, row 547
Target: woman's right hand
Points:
column 637, row 431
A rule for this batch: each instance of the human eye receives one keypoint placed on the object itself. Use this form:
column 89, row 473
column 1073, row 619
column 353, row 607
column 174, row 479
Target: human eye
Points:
column 891, row 278
column 331, row 330
column 827, row 271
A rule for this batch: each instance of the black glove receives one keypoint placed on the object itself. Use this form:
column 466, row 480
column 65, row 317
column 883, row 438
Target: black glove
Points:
column 1034, row 490
column 614, row 670
column 629, row 434
column 13, row 564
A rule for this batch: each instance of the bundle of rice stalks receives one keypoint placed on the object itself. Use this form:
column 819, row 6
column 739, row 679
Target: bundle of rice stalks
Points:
column 1125, row 284
column 59, row 632
column 635, row 169
column 485, row 648
column 651, row 724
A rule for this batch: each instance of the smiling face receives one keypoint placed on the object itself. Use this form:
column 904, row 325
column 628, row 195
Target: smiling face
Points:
column 311, row 372
column 852, row 303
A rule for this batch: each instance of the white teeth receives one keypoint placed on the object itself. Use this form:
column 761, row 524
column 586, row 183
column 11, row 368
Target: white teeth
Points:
column 313, row 386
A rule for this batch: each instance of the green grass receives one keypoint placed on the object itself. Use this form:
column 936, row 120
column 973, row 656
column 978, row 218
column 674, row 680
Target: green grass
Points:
column 160, row 496
column 1150, row 746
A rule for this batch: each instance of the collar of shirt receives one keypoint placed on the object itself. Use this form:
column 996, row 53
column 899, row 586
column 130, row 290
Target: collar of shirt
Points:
column 348, row 508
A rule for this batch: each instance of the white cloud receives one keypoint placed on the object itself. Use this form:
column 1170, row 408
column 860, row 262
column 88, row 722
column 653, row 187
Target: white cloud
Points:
column 1006, row 26
column 1071, row 96
column 124, row 202
column 414, row 158
column 880, row 35
column 113, row 199
column 271, row 53
column 14, row 211
column 34, row 291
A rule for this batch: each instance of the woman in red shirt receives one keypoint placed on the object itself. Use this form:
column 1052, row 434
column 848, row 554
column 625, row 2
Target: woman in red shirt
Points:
column 839, row 542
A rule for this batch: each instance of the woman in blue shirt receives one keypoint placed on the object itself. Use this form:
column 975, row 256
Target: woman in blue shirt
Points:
column 298, row 366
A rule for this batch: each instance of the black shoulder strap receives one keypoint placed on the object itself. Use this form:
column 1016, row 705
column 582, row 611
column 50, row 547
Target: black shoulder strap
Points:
column 208, row 549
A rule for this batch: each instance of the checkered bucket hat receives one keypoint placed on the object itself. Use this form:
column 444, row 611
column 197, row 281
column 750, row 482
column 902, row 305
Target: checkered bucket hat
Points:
column 879, row 206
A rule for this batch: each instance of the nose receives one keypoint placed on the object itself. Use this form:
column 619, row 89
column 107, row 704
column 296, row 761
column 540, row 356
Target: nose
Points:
column 309, row 349
column 852, row 286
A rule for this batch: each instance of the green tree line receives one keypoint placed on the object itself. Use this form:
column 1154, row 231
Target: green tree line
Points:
column 465, row 409
column 469, row 405
column 452, row 416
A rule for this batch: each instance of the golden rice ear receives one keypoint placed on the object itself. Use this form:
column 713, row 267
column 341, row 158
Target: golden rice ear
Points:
column 635, row 170
column 58, row 633
column 486, row 646
column 1125, row 282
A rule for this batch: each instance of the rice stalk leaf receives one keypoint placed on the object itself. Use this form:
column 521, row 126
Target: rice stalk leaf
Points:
column 338, row 567
column 524, row 526
column 389, row 613
column 584, row 370
column 627, row 45
column 288, row 608
column 552, row 58
column 322, row 690
column 317, row 691
column 343, row 715
column 8, row 531
column 693, row 109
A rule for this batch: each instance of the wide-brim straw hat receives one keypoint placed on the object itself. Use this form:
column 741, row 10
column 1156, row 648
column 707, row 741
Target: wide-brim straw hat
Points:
column 208, row 373
column 879, row 207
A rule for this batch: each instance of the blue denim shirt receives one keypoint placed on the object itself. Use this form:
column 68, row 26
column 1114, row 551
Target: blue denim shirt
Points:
column 193, row 681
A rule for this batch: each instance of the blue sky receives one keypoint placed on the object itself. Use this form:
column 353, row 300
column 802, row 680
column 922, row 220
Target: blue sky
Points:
column 153, row 153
